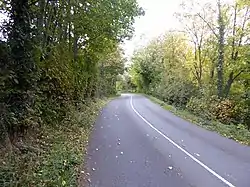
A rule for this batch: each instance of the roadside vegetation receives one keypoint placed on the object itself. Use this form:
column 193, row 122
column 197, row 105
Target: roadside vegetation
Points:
column 238, row 132
column 202, row 72
column 59, row 62
column 51, row 155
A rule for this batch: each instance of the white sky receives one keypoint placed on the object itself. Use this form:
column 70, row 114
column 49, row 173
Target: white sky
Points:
column 157, row 20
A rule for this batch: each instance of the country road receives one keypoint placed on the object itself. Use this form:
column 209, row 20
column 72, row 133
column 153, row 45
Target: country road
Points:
column 136, row 143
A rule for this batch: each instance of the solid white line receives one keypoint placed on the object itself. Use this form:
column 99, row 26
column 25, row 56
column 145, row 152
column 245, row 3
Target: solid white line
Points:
column 183, row 150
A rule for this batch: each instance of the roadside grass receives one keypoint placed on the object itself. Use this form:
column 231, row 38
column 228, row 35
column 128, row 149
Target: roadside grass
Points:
column 236, row 132
column 52, row 155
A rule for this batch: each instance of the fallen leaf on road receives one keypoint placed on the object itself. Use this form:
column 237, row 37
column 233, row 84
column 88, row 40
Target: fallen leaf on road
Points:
column 197, row 154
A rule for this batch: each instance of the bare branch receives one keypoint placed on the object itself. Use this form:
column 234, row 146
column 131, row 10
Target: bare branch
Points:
column 243, row 26
column 210, row 27
column 234, row 31
column 237, row 75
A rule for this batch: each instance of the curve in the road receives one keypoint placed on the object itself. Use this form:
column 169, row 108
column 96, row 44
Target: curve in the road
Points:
column 136, row 143
column 180, row 148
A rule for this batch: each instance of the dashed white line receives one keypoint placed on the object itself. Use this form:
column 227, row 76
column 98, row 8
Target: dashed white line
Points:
column 180, row 148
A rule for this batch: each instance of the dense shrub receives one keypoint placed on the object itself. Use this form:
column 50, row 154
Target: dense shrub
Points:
column 176, row 93
column 224, row 110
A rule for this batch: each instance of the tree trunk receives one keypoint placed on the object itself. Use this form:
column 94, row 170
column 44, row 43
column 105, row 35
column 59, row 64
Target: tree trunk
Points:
column 69, row 25
column 75, row 47
column 221, row 51
column 23, row 66
column 229, row 84
column 40, row 22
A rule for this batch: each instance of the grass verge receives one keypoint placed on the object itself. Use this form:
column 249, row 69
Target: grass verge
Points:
column 236, row 132
column 51, row 155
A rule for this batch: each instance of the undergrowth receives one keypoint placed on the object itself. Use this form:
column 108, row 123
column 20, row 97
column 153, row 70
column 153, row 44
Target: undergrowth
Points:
column 52, row 154
column 238, row 132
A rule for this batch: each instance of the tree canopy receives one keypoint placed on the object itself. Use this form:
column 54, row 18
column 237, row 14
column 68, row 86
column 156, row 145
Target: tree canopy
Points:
column 58, row 52
column 205, row 66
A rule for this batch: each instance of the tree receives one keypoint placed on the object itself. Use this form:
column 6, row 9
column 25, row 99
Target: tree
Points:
column 198, row 33
column 205, row 66
column 159, row 69
column 230, row 31
column 60, row 52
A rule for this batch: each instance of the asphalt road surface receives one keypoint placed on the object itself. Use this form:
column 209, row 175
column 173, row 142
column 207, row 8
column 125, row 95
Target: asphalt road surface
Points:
column 136, row 143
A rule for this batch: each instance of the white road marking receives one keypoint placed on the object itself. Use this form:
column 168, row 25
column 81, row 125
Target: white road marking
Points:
column 180, row 148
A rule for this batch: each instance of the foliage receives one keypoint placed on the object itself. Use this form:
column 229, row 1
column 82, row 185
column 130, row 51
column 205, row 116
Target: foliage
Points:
column 125, row 84
column 161, row 73
column 204, row 68
column 238, row 132
column 54, row 57
column 57, row 53
column 51, row 156
column 214, row 108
